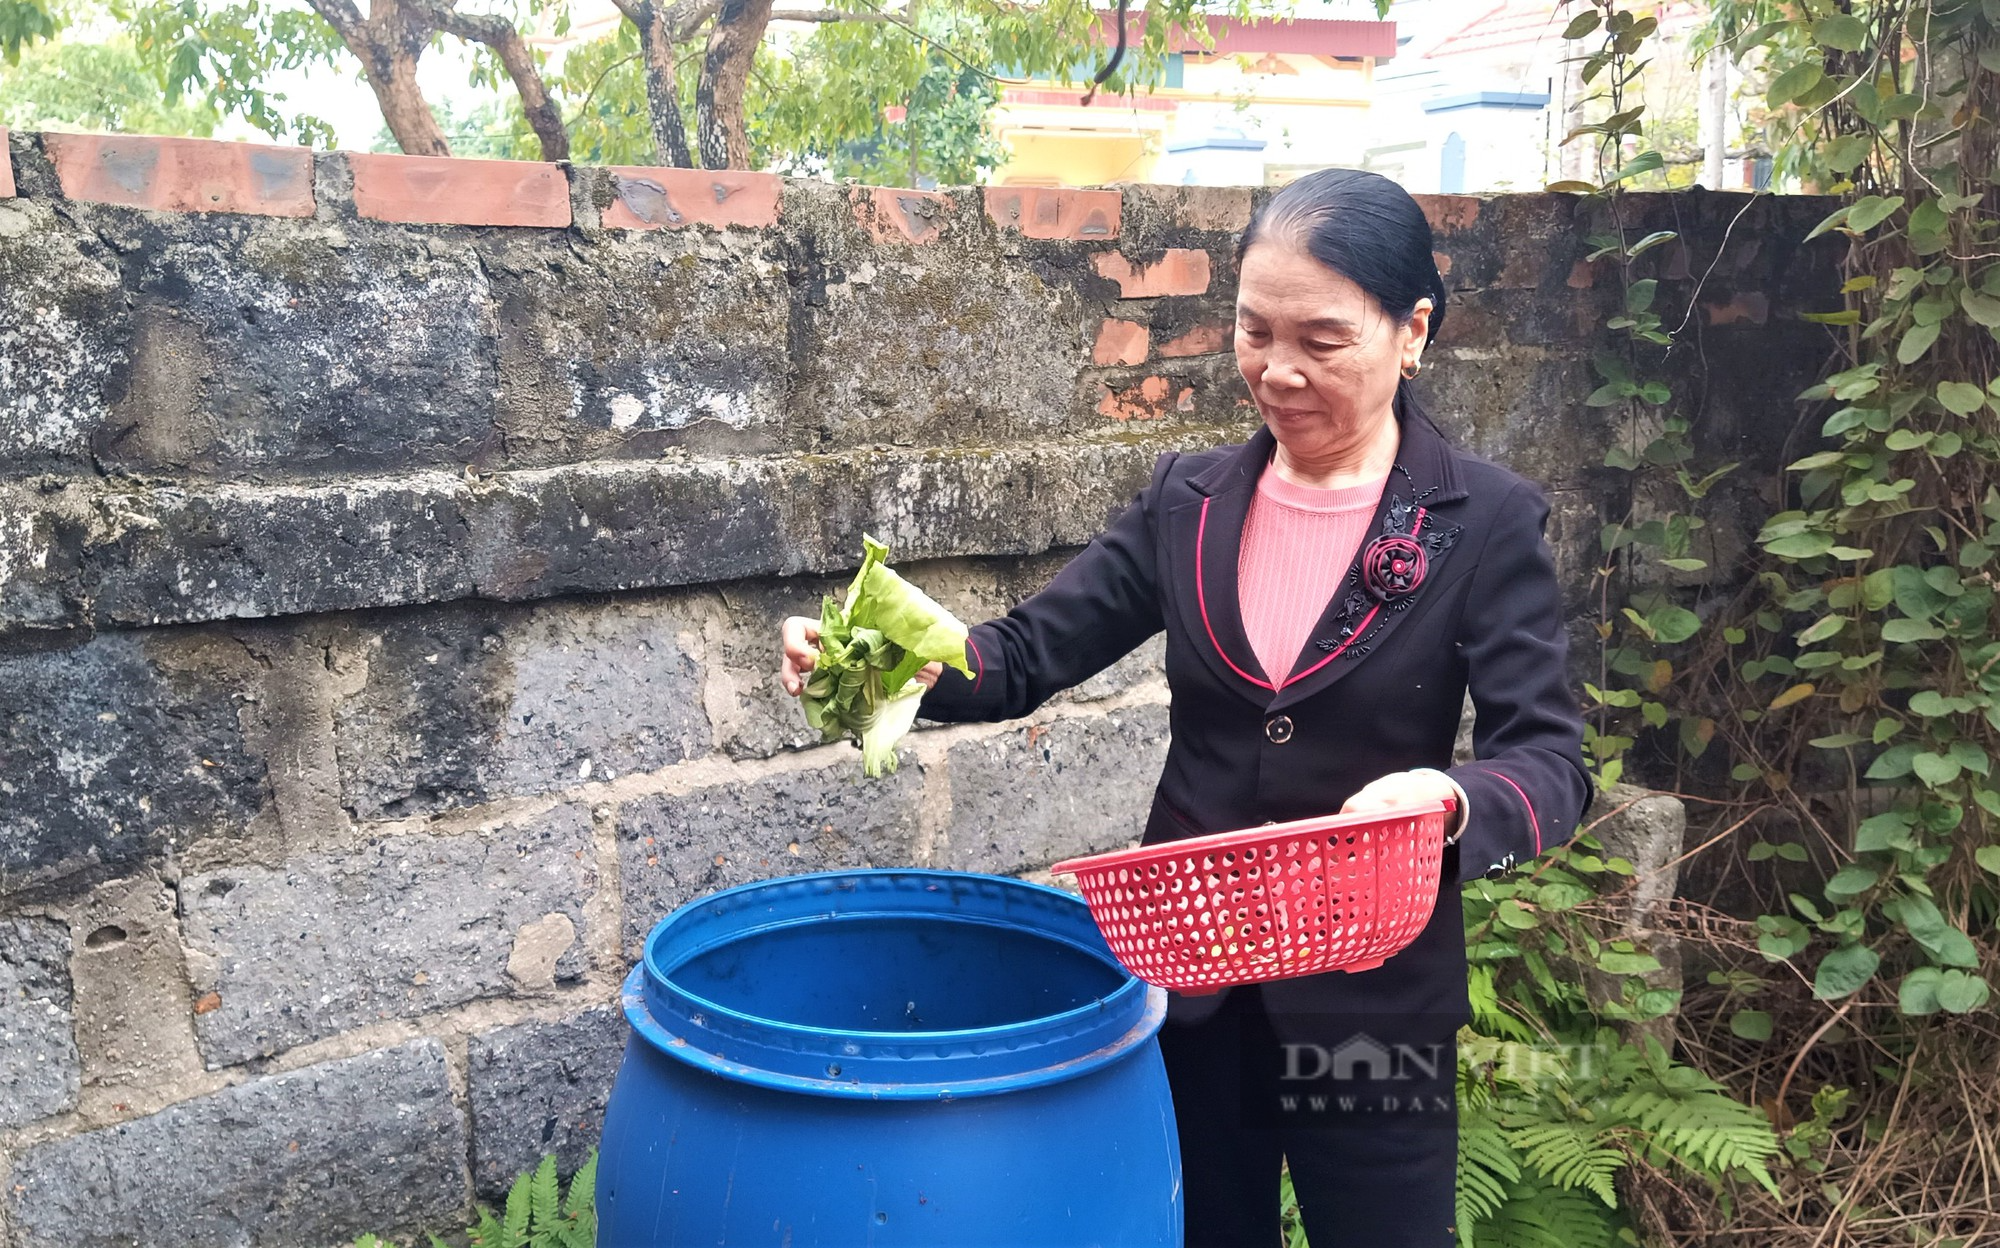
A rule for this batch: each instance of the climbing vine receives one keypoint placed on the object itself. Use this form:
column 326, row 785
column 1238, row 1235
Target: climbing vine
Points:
column 1842, row 709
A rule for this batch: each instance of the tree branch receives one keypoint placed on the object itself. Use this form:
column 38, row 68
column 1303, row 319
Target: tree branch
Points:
column 387, row 43
column 345, row 19
column 595, row 83
column 827, row 15
column 682, row 20
column 501, row 35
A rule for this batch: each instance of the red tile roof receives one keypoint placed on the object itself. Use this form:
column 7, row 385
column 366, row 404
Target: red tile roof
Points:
column 1311, row 36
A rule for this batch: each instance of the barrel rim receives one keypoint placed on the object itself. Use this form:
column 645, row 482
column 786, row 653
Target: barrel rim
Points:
column 886, row 1065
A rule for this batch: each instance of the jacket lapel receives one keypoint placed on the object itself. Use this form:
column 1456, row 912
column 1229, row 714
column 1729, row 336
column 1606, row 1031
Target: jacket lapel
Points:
column 1206, row 541
column 1206, row 538
column 1416, row 504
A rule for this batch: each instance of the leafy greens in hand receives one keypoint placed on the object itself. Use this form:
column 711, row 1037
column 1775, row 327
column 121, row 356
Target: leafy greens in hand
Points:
column 872, row 645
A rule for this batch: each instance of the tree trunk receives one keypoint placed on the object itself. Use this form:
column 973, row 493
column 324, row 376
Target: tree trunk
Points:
column 725, row 73
column 393, row 78
column 500, row 34
column 663, row 91
column 388, row 43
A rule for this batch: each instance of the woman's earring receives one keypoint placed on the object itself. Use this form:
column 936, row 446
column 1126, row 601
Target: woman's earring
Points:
column 1411, row 370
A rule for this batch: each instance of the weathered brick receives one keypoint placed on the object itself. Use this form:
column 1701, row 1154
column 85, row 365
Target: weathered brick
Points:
column 1120, row 342
column 954, row 351
column 451, row 190
column 115, row 748
column 1201, row 340
column 893, row 215
column 1498, row 405
column 1162, row 211
column 405, row 926
column 643, row 342
column 1180, row 271
column 622, row 526
column 459, row 706
column 651, row 197
column 132, row 1003
column 298, row 348
column 278, row 550
column 172, row 555
column 1044, row 212
column 1750, row 307
column 540, row 1087
column 674, row 848
column 1043, row 792
column 315, row 1156
column 183, row 175
column 1450, row 214
column 1151, row 399
column 39, row 1069
column 44, row 531
column 753, row 716
column 62, row 323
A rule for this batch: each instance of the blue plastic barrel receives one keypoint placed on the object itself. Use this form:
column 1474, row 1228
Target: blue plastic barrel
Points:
column 890, row 1058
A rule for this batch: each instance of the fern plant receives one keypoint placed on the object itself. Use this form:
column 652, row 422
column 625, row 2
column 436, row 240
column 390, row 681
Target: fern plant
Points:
column 1545, row 1129
column 536, row 1214
column 1554, row 1103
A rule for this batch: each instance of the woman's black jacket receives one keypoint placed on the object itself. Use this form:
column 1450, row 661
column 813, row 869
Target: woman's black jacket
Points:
column 1378, row 689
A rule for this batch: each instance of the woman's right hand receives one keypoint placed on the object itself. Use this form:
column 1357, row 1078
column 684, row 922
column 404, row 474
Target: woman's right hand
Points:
column 800, row 647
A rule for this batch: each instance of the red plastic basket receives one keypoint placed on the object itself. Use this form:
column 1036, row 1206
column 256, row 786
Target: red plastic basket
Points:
column 1336, row 893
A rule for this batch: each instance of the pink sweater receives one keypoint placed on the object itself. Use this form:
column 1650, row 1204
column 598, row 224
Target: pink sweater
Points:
column 1297, row 544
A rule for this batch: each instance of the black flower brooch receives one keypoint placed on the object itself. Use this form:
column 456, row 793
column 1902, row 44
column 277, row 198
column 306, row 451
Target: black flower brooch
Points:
column 1387, row 577
column 1392, row 567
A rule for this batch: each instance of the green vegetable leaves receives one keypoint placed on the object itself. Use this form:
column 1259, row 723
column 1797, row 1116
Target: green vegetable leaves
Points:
column 872, row 645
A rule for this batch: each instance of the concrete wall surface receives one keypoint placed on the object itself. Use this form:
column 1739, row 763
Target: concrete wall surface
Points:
column 390, row 559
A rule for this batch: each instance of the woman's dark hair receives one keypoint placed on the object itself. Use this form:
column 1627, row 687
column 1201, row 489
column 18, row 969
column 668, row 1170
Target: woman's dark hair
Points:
column 1363, row 227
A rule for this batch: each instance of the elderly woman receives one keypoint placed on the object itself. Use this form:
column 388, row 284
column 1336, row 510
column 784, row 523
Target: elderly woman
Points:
column 1330, row 590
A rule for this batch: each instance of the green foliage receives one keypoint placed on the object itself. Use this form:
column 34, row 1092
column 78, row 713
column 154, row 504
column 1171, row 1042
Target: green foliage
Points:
column 826, row 107
column 70, row 84
column 23, row 23
column 1553, row 1102
column 224, row 54
column 536, row 1214
column 1877, row 582
column 1853, row 688
column 820, row 104
column 1643, row 622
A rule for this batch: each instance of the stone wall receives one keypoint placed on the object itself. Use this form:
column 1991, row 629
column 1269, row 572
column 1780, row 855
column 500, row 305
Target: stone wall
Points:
column 390, row 557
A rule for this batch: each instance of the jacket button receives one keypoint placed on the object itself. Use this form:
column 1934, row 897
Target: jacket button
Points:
column 1278, row 729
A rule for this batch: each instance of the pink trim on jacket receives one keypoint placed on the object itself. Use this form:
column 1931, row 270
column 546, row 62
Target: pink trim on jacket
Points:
column 1201, row 601
column 1533, row 822
column 1361, row 629
column 977, row 662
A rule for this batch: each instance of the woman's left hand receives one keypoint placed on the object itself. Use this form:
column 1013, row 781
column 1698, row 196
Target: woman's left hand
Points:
column 1403, row 788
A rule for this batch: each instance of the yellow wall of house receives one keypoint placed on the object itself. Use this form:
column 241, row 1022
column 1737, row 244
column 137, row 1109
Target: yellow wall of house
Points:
column 1038, row 158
